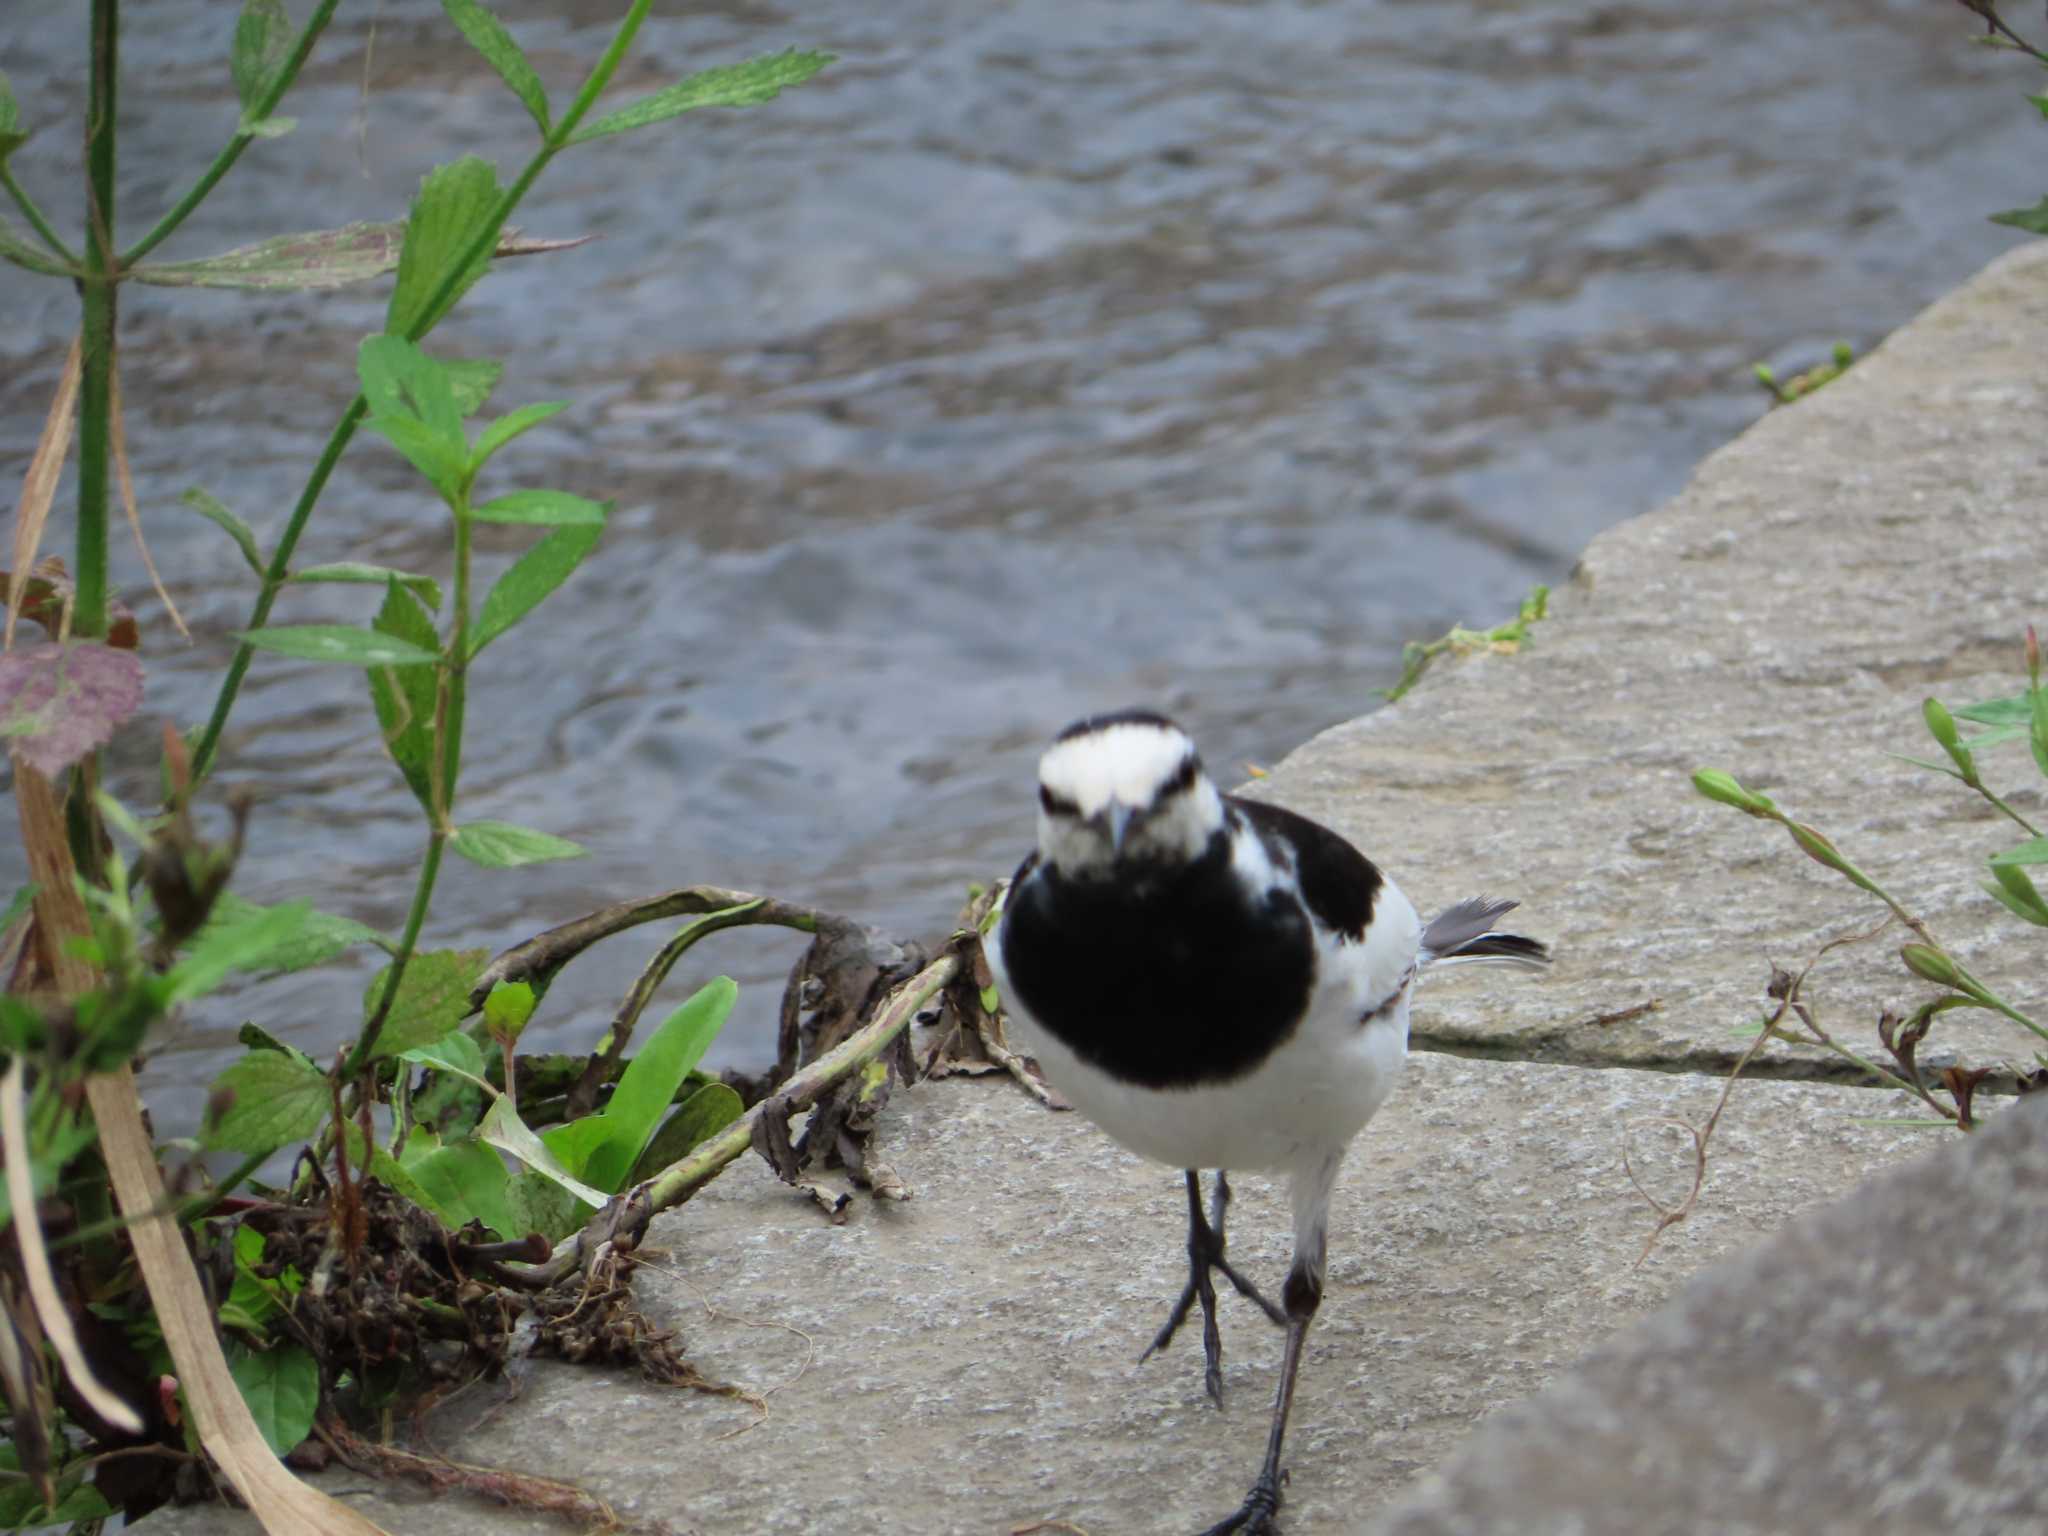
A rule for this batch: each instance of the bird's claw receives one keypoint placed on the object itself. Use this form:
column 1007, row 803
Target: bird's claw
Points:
column 1258, row 1515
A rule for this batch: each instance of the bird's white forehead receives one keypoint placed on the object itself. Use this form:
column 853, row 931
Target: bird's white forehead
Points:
column 1130, row 762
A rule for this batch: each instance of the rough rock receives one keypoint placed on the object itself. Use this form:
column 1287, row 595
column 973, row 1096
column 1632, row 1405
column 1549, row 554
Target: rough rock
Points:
column 1875, row 1368
column 1782, row 619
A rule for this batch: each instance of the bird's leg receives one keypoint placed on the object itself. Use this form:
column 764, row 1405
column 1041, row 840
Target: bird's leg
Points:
column 1302, row 1294
column 1205, row 1253
column 1255, row 1517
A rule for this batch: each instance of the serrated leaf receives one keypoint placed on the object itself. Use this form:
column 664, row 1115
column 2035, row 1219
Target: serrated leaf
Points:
column 281, row 1385
column 510, row 425
column 702, row 1115
column 502, row 1128
column 453, row 1052
column 317, row 938
column 263, row 37
column 500, row 845
column 428, row 589
column 59, row 702
column 210, row 507
column 400, row 380
column 444, row 465
column 265, row 1101
column 488, row 36
column 551, row 509
column 339, row 642
column 404, row 696
column 433, row 996
column 729, row 85
column 454, row 202
column 528, row 582
column 319, row 258
column 472, row 379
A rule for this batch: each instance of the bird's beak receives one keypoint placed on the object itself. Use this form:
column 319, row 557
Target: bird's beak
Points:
column 1119, row 816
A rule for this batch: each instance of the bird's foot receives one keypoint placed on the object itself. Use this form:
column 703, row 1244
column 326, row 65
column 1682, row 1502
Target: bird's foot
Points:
column 1205, row 1259
column 1258, row 1515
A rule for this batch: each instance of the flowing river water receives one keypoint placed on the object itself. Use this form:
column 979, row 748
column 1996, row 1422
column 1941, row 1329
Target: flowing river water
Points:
column 1038, row 357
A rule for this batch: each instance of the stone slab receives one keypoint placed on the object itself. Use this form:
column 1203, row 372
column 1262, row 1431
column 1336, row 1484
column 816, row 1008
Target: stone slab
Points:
column 1876, row 1368
column 1782, row 619
column 967, row 1361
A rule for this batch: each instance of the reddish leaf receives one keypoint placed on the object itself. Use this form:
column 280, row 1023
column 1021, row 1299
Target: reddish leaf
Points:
column 49, row 593
column 59, row 702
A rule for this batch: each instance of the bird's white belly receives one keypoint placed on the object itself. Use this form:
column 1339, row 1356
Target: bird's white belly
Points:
column 1304, row 1101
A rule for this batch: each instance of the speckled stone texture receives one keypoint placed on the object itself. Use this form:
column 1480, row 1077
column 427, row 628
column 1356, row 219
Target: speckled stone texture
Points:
column 1877, row 1367
column 972, row 1354
column 1783, row 619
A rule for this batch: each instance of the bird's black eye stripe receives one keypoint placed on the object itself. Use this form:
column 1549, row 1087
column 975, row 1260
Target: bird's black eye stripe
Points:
column 1183, row 778
column 1056, row 805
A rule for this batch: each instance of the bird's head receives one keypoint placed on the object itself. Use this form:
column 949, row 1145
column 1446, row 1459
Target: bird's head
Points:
column 1123, row 788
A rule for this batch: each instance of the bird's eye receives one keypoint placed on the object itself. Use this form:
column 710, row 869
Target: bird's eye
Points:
column 1056, row 805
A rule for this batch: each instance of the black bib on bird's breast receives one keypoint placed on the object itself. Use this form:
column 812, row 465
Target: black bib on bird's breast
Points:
column 1166, row 978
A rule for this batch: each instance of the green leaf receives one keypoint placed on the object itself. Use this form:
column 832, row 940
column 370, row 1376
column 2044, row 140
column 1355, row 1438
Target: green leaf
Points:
column 2033, row 220
column 472, row 379
column 433, row 997
column 427, row 451
column 242, row 937
column 24, row 252
column 453, row 1052
column 554, row 509
column 428, row 589
column 507, row 1009
column 399, row 380
column 263, row 38
column 2033, row 851
column 265, row 1101
column 2016, row 710
column 2016, row 893
column 539, row 1204
column 2037, row 733
column 502, row 1128
column 703, row 1115
column 339, row 642
column 531, row 578
column 267, row 127
column 604, row 1147
column 488, row 36
column 500, row 845
column 454, row 202
column 463, row 1182
column 729, row 85
column 320, row 258
column 1910, row 1122
column 510, row 425
column 11, row 135
column 281, row 1385
column 404, row 696
column 22, row 1508
column 210, row 508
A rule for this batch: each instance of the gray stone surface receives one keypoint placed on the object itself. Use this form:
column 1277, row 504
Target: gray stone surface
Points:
column 1877, row 1367
column 1782, row 619
column 972, row 1353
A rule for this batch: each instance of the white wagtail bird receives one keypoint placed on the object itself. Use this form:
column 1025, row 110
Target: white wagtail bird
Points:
column 1217, row 983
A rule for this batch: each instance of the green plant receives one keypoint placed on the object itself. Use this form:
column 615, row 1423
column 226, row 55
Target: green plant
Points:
column 1950, row 1095
column 1807, row 382
column 1998, row 34
column 129, row 916
column 1501, row 640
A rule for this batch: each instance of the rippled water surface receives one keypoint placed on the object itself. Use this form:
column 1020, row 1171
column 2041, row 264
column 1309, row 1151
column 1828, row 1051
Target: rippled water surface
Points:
column 1038, row 357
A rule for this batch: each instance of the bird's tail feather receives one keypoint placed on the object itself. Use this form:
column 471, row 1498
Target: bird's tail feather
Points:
column 1464, row 935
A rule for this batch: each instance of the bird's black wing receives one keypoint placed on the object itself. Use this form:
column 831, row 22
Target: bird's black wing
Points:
column 1339, row 884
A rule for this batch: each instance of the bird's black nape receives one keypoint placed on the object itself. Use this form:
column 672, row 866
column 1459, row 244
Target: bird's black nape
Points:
column 1134, row 715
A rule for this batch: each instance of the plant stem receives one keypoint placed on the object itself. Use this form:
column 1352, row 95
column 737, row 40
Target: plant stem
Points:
column 223, row 162
column 486, row 239
column 415, row 919
column 96, row 288
column 35, row 218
